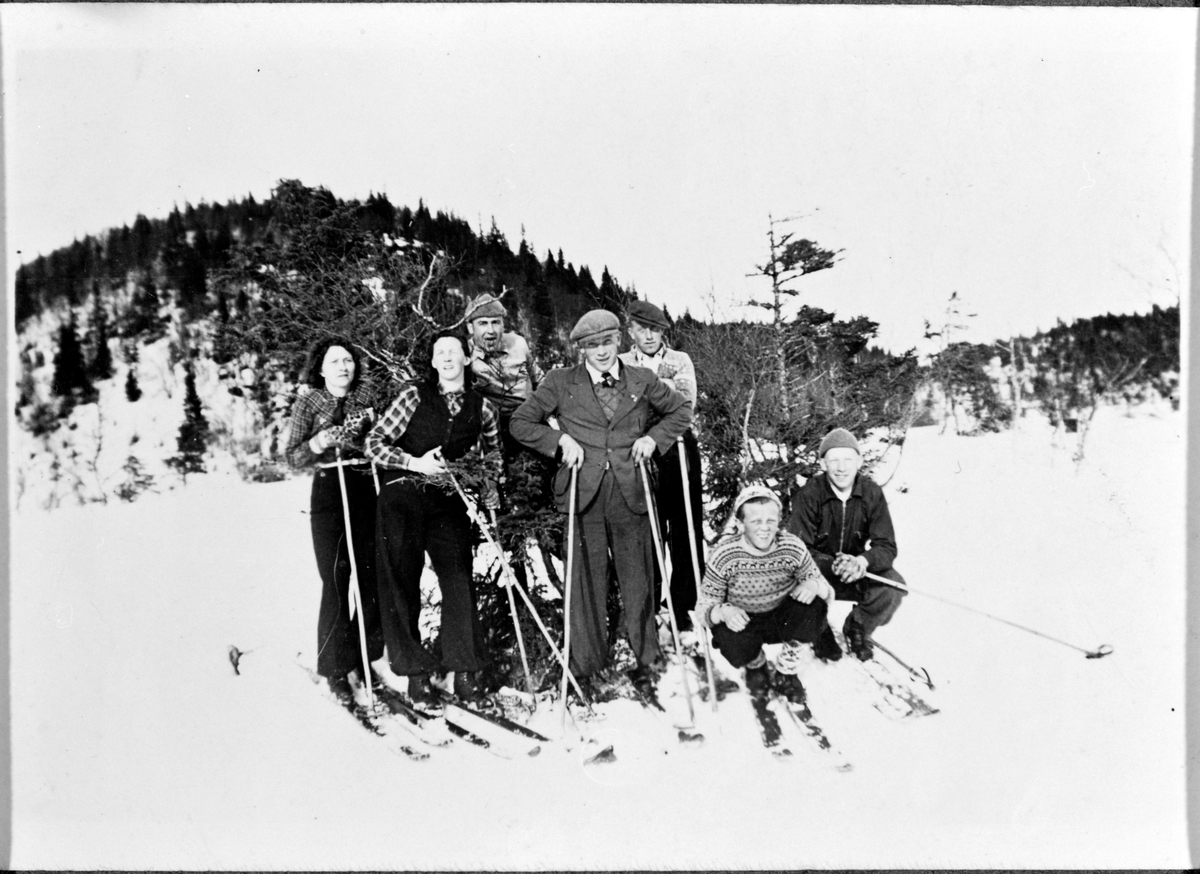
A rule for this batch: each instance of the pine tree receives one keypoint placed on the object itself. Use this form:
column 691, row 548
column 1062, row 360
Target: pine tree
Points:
column 193, row 433
column 101, row 366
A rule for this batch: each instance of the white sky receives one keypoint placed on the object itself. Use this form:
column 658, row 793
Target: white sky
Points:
column 1035, row 160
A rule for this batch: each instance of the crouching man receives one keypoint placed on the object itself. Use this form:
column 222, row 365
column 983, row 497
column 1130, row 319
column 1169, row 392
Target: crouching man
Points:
column 764, row 587
column 843, row 519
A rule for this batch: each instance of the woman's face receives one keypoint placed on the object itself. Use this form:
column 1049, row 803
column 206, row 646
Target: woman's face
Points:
column 337, row 369
column 449, row 359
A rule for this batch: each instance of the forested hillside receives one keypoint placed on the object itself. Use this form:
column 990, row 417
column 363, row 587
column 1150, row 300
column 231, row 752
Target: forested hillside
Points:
column 172, row 346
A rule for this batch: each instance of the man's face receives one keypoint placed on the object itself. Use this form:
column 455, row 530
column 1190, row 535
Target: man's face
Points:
column 449, row 359
column 601, row 351
column 760, row 523
column 647, row 339
column 487, row 331
column 841, row 465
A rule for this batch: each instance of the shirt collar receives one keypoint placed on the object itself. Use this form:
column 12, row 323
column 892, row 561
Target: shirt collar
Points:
column 658, row 356
column 597, row 375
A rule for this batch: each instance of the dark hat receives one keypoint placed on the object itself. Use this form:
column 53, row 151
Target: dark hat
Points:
column 484, row 306
column 594, row 322
column 838, row 438
column 646, row 313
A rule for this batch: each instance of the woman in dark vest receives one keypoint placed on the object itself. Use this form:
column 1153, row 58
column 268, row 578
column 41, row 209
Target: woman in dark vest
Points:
column 332, row 418
column 434, row 420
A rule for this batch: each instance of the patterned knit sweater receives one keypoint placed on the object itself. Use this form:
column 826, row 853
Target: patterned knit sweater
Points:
column 755, row 582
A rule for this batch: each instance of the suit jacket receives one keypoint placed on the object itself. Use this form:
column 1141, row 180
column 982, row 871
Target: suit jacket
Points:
column 567, row 394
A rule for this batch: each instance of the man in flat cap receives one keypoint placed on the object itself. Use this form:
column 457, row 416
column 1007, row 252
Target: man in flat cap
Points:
column 605, row 410
column 647, row 325
column 843, row 519
column 505, row 372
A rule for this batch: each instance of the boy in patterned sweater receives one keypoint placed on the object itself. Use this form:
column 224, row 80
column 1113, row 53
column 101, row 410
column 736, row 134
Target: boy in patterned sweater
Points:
column 764, row 587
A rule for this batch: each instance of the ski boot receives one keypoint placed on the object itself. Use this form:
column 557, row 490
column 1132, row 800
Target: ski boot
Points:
column 857, row 639
column 826, row 648
column 758, row 680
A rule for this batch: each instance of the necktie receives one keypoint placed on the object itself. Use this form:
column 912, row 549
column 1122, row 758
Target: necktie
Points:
column 608, row 382
column 339, row 411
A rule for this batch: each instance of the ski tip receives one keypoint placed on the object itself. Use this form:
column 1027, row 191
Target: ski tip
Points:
column 1101, row 651
column 604, row 757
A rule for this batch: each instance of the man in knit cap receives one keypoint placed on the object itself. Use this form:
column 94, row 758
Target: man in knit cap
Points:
column 647, row 324
column 605, row 410
column 843, row 519
column 763, row 587
column 505, row 372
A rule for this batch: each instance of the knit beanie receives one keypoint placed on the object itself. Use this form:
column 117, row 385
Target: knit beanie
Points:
column 838, row 438
column 750, row 493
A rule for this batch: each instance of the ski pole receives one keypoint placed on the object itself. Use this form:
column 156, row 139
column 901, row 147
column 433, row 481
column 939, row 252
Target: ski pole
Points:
column 355, row 592
column 567, row 597
column 512, row 608
column 528, row 602
column 662, row 569
column 1098, row 653
column 691, row 526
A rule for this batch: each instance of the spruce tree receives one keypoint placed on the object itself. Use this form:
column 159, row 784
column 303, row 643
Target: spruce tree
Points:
column 70, row 377
column 101, row 366
column 193, row 433
column 133, row 391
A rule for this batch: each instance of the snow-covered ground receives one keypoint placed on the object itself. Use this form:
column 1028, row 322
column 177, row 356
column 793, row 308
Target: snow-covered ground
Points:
column 135, row 745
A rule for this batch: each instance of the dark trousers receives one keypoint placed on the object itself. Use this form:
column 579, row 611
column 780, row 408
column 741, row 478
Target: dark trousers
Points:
column 415, row 517
column 672, row 522
column 610, row 536
column 790, row 621
column 876, row 603
column 338, row 649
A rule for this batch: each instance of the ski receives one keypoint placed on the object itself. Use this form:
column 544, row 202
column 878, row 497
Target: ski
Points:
column 802, row 716
column 501, row 733
column 768, row 727
column 426, row 727
column 363, row 716
column 896, row 698
column 475, row 740
column 919, row 674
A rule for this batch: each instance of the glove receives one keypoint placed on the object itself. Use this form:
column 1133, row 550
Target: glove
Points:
column 358, row 423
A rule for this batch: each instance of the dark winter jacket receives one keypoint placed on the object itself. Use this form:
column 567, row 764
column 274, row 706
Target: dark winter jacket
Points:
column 817, row 518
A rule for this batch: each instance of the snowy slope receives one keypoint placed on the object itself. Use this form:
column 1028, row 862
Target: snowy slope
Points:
column 135, row 745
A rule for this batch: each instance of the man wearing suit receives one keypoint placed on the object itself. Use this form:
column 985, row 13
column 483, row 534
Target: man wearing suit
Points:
column 604, row 409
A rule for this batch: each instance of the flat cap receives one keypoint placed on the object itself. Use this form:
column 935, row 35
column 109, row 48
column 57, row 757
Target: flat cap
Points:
column 484, row 306
column 838, row 438
column 646, row 313
column 594, row 322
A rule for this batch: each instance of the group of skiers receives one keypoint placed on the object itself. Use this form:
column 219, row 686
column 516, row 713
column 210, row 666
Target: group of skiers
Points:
column 615, row 423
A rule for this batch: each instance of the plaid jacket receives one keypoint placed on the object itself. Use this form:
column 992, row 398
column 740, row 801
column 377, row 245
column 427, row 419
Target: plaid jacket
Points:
column 314, row 412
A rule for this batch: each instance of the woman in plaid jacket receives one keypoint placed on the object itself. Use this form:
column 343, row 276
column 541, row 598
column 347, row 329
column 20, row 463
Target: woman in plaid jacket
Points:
column 327, row 428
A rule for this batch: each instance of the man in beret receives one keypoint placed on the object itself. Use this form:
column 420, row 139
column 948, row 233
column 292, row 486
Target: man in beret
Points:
column 843, row 519
column 505, row 372
column 647, row 324
column 605, row 410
